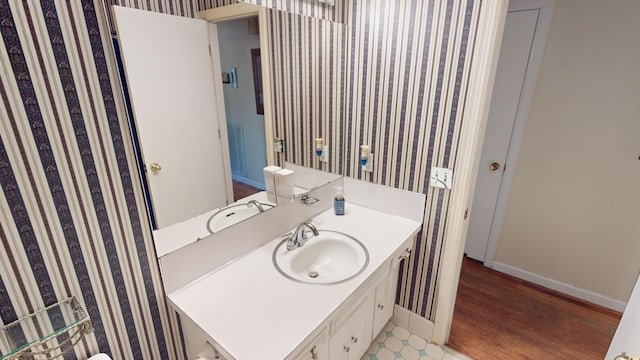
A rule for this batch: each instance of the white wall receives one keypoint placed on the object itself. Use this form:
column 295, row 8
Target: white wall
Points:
column 574, row 211
column 240, row 104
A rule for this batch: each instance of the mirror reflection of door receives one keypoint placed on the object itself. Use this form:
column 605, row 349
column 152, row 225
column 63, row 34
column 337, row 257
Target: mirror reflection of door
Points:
column 175, row 112
column 239, row 42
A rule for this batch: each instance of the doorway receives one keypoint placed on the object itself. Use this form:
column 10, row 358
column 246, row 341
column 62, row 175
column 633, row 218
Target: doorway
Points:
column 515, row 322
column 239, row 44
column 525, row 32
column 246, row 92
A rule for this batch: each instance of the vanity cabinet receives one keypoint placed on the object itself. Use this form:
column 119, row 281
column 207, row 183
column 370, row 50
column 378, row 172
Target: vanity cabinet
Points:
column 316, row 349
column 336, row 322
column 353, row 336
column 352, row 329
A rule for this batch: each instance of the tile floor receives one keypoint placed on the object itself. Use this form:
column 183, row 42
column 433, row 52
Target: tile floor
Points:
column 394, row 342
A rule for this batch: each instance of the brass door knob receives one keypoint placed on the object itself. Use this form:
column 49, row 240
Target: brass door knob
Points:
column 155, row 167
column 494, row 167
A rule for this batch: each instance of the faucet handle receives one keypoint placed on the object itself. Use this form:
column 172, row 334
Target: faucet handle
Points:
column 308, row 200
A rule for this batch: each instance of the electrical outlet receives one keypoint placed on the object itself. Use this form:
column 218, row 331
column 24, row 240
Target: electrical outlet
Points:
column 441, row 178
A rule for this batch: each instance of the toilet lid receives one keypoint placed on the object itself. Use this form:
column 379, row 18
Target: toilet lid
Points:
column 100, row 357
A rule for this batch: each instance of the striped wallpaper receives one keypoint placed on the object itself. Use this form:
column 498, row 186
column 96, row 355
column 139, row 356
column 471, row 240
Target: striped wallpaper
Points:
column 72, row 218
column 403, row 93
column 308, row 59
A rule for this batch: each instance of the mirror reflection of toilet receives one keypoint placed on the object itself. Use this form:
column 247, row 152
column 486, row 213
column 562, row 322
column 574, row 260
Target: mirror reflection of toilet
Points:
column 100, row 357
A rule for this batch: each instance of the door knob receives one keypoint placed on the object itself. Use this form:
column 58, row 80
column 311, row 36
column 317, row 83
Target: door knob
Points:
column 623, row 356
column 156, row 167
column 495, row 166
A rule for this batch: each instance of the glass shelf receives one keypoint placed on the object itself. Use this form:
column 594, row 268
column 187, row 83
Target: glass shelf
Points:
column 25, row 337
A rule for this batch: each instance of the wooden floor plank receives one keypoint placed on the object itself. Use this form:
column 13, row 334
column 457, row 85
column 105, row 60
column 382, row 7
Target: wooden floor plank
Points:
column 242, row 190
column 500, row 317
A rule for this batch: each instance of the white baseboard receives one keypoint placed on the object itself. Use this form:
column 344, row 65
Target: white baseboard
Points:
column 413, row 322
column 560, row 286
column 248, row 181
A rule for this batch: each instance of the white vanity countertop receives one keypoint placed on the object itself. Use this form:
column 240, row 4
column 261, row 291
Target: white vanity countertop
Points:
column 254, row 312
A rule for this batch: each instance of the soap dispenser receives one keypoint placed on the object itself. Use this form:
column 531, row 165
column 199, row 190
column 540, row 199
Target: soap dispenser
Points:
column 338, row 202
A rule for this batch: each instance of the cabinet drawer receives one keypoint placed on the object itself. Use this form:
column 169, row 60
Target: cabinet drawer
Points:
column 402, row 253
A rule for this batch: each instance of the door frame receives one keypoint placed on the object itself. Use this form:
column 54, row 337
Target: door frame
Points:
column 520, row 124
column 240, row 11
column 483, row 70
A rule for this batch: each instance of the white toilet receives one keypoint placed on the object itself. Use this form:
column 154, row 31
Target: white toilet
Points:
column 100, row 357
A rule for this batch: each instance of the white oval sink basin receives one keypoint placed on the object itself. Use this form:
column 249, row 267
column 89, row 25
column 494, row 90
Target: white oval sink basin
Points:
column 331, row 257
column 233, row 214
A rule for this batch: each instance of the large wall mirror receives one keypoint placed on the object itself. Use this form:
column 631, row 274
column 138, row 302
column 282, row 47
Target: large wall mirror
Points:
column 192, row 100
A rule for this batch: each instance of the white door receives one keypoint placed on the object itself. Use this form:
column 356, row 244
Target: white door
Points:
column 627, row 337
column 171, row 85
column 520, row 28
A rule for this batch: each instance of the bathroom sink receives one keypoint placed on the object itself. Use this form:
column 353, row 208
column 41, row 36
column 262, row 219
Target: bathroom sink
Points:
column 233, row 214
column 330, row 257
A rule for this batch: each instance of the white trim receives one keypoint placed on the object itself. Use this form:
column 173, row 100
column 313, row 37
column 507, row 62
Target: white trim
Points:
column 239, row 11
column 413, row 322
column 247, row 181
column 456, row 354
column 526, row 96
column 487, row 50
column 564, row 288
column 222, row 115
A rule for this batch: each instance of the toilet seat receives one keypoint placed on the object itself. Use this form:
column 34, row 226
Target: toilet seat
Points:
column 100, row 357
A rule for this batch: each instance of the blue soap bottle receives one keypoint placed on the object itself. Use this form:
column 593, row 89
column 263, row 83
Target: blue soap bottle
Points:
column 338, row 202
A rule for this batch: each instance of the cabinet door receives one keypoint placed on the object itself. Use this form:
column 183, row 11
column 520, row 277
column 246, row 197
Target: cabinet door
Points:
column 384, row 300
column 339, row 344
column 352, row 339
column 317, row 350
column 360, row 336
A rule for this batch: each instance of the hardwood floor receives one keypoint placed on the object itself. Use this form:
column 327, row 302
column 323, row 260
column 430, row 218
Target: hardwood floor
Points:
column 500, row 317
column 241, row 190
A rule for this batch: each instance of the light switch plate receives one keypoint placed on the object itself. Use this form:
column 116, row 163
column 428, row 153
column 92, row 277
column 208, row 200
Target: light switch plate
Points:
column 441, row 178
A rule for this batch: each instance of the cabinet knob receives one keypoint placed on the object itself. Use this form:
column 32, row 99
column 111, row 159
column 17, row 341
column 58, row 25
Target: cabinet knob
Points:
column 354, row 339
column 380, row 306
column 346, row 349
column 314, row 353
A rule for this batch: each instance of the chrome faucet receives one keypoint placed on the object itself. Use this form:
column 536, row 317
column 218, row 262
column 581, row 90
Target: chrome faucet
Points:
column 299, row 237
column 257, row 204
